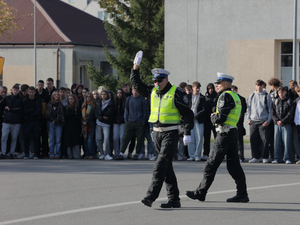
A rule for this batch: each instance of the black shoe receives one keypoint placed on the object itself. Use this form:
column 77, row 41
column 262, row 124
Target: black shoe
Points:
column 195, row 195
column 147, row 201
column 238, row 199
column 135, row 157
column 2, row 157
column 170, row 204
column 119, row 157
column 10, row 156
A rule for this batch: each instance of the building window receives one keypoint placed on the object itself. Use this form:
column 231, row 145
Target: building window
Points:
column 102, row 15
column 71, row 1
column 286, row 63
column 105, row 68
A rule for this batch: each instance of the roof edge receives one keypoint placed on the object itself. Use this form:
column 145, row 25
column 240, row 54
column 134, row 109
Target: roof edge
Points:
column 51, row 22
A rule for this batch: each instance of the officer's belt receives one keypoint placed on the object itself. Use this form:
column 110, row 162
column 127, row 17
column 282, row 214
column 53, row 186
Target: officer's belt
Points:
column 224, row 129
column 162, row 129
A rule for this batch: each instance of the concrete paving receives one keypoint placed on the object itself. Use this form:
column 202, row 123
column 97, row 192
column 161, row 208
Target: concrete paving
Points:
column 109, row 192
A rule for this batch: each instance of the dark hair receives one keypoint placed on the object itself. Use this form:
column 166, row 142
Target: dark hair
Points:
column 86, row 89
column 259, row 82
column 41, row 81
column 62, row 89
column 196, row 84
column 234, row 87
column 50, row 79
column 75, row 102
column 16, row 86
column 283, row 88
column 31, row 88
column 117, row 100
column 24, row 87
column 294, row 82
column 124, row 85
column 274, row 81
column 182, row 85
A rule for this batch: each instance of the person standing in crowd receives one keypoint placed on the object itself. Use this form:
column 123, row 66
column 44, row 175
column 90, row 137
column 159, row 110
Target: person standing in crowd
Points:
column 72, row 128
column 275, row 84
column 55, row 116
column 12, row 119
column 68, row 92
column 126, row 89
column 211, row 98
column 240, row 125
column 50, row 88
column 296, row 128
column 259, row 115
column 62, row 96
column 292, row 94
column 32, row 122
column 227, row 115
column 168, row 105
column 78, row 94
column 119, row 122
column 42, row 94
column 282, row 115
column 104, row 116
column 73, row 89
column 95, row 95
column 3, row 93
column 135, row 118
column 198, row 106
column 89, row 125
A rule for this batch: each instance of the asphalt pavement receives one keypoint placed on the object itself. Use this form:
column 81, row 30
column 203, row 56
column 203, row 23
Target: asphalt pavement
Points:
column 109, row 192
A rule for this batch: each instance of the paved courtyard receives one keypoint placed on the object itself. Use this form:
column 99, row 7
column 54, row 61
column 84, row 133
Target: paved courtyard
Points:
column 109, row 192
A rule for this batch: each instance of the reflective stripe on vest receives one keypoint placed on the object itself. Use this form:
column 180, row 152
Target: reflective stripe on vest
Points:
column 164, row 109
column 234, row 114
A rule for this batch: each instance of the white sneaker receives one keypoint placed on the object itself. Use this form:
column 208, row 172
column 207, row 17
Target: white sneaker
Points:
column 191, row 159
column 141, row 156
column 153, row 158
column 197, row 159
column 254, row 160
column 21, row 156
column 101, row 157
column 265, row 160
column 108, row 157
column 205, row 157
column 288, row 162
column 275, row 161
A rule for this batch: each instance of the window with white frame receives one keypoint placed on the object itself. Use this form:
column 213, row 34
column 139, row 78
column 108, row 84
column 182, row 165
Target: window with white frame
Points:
column 286, row 68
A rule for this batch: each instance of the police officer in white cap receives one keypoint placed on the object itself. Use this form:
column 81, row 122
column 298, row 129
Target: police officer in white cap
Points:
column 226, row 117
column 169, row 105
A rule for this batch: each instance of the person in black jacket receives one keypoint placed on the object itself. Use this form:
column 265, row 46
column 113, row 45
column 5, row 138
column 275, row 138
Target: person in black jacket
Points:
column 119, row 123
column 13, row 112
column 104, row 116
column 240, row 125
column 72, row 128
column 197, row 105
column 282, row 115
column 32, row 124
column 211, row 98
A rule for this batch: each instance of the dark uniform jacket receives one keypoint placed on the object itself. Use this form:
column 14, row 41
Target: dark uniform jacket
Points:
column 32, row 109
column 226, row 103
column 15, row 104
column 107, row 111
column 181, row 101
column 283, row 110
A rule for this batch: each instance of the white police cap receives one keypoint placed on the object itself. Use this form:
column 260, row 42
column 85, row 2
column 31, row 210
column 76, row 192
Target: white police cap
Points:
column 159, row 73
column 224, row 77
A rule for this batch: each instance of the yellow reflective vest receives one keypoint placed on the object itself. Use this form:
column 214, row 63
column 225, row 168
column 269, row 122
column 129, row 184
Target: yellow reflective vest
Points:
column 164, row 109
column 234, row 114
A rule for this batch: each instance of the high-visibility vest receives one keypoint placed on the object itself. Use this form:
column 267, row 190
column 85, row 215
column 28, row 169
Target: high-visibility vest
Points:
column 164, row 109
column 234, row 114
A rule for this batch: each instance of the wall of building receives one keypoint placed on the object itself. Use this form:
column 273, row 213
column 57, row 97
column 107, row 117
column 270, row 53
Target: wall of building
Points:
column 200, row 34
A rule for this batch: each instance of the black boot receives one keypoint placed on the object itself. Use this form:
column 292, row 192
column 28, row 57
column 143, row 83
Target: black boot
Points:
column 147, row 201
column 195, row 195
column 171, row 204
column 238, row 199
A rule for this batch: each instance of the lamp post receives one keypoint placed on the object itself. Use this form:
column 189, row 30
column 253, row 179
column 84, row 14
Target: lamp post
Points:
column 34, row 42
column 295, row 77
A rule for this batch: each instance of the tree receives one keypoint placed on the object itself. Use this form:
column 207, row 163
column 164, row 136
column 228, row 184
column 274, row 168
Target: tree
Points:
column 99, row 79
column 137, row 25
column 8, row 20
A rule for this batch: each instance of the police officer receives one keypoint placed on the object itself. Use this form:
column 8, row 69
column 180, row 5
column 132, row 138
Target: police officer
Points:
column 168, row 105
column 226, row 117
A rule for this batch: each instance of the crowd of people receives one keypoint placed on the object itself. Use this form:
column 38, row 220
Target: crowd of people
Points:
column 75, row 123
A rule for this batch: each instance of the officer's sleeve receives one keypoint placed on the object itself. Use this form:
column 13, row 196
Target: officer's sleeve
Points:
column 226, row 103
column 182, row 104
column 137, row 83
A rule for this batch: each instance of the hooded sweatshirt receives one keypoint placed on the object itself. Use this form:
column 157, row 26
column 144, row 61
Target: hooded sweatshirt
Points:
column 211, row 100
column 258, row 109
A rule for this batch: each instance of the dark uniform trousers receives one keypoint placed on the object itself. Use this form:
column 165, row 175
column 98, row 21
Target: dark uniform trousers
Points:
column 225, row 144
column 165, row 144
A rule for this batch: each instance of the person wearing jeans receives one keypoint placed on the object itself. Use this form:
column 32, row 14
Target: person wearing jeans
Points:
column 104, row 113
column 13, row 111
column 55, row 116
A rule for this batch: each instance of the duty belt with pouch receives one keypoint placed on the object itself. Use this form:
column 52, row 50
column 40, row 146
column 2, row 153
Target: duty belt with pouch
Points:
column 163, row 129
column 224, row 128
